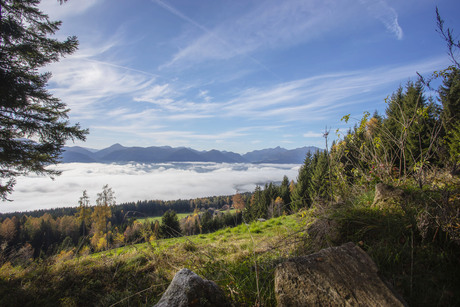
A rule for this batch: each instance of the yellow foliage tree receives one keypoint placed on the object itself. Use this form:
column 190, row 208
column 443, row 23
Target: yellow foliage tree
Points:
column 238, row 202
column 102, row 212
column 8, row 229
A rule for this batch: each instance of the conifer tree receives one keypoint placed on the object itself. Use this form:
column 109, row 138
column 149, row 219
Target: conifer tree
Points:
column 410, row 126
column 84, row 212
column 285, row 193
column 34, row 124
column 170, row 226
column 320, row 187
column 251, row 211
column 300, row 196
column 449, row 94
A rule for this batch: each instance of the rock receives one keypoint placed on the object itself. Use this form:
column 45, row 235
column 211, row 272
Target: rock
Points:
column 323, row 232
column 188, row 289
column 336, row 276
column 388, row 197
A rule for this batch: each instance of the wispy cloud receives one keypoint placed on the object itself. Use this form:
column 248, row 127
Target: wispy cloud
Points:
column 386, row 14
column 84, row 84
column 312, row 134
column 315, row 97
column 156, row 94
column 274, row 25
column 57, row 11
column 83, row 81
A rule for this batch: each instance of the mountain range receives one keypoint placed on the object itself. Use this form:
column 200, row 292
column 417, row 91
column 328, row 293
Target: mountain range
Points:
column 121, row 154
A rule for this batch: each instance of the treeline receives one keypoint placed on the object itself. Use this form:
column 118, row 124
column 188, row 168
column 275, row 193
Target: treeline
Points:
column 271, row 201
column 139, row 208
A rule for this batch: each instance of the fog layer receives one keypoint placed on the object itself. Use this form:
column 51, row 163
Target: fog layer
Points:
column 132, row 182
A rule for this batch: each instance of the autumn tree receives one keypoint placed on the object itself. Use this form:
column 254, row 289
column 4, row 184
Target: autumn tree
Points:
column 9, row 229
column 34, row 124
column 238, row 202
column 276, row 207
column 102, row 212
column 192, row 225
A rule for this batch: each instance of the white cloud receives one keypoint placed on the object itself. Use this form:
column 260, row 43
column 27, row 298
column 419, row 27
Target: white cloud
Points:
column 275, row 25
column 83, row 84
column 204, row 95
column 157, row 94
column 312, row 134
column 56, row 11
column 386, row 14
column 315, row 98
column 132, row 182
column 268, row 25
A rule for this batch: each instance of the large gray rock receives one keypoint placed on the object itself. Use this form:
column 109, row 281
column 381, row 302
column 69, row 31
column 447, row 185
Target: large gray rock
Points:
column 190, row 290
column 336, row 276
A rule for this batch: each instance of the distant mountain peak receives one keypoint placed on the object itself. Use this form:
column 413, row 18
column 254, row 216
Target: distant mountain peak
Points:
column 118, row 153
column 116, row 145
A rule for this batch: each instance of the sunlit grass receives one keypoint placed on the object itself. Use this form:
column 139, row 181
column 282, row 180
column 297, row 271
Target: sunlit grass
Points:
column 179, row 216
column 158, row 218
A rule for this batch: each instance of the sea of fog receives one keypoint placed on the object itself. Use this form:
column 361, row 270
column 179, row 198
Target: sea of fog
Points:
column 137, row 181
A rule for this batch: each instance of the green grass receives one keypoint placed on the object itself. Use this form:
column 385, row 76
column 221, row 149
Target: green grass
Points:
column 158, row 218
column 139, row 274
column 179, row 216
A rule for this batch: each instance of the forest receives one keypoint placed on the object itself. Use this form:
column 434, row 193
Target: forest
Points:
column 43, row 233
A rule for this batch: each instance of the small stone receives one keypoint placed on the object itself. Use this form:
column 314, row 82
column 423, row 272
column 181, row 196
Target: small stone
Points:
column 187, row 289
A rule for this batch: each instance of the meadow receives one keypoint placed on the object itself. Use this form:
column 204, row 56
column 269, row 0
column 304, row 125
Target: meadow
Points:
column 240, row 259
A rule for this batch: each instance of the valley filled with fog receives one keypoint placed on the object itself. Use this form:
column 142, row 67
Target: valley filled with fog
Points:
column 138, row 181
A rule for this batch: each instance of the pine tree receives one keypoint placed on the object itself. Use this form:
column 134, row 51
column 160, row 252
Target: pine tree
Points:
column 170, row 226
column 300, row 196
column 284, row 191
column 34, row 124
column 84, row 212
column 449, row 94
column 410, row 127
column 251, row 211
column 320, row 187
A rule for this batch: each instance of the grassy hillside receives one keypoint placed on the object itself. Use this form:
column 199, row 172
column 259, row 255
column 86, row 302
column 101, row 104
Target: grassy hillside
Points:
column 240, row 260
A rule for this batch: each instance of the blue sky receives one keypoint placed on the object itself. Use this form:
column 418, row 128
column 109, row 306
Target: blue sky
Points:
column 238, row 75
